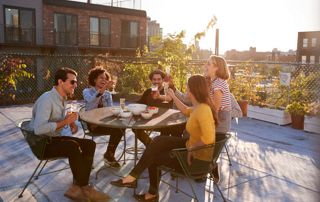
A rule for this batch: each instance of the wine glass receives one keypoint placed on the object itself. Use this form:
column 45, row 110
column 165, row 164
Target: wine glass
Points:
column 154, row 89
column 114, row 79
column 165, row 89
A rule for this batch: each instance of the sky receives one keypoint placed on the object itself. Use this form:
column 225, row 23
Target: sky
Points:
column 264, row 24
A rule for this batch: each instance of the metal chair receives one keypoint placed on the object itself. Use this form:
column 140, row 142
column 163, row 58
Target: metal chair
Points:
column 37, row 144
column 198, row 169
column 93, row 135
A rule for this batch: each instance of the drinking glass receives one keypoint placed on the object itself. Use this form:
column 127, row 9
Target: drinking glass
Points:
column 165, row 89
column 154, row 89
column 114, row 79
column 122, row 103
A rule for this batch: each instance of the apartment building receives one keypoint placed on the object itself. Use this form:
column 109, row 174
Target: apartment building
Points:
column 308, row 47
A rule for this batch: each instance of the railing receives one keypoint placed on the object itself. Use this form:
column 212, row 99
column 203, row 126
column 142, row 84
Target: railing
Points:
column 19, row 35
column 80, row 38
column 258, row 81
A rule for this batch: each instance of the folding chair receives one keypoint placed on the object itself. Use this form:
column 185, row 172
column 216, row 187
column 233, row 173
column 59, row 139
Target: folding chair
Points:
column 198, row 169
column 37, row 144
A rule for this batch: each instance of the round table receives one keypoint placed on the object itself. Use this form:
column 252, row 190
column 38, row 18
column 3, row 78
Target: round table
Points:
column 104, row 118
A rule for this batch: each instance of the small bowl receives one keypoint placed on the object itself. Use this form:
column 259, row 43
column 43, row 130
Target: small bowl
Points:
column 125, row 114
column 146, row 115
column 136, row 109
column 115, row 111
column 153, row 110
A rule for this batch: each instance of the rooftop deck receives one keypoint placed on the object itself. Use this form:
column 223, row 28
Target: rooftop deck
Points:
column 269, row 163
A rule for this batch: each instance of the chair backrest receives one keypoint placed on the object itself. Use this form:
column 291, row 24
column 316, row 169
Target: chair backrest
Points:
column 221, row 139
column 83, row 123
column 37, row 143
column 200, row 168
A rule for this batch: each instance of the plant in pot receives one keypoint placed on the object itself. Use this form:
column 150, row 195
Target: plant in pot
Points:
column 297, row 111
column 243, row 86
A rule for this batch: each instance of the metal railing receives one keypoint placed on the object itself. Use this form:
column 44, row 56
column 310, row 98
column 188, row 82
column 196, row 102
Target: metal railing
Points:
column 80, row 38
column 258, row 82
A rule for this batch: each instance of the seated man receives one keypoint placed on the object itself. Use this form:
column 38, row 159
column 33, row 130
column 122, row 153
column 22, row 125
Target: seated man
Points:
column 156, row 99
column 49, row 117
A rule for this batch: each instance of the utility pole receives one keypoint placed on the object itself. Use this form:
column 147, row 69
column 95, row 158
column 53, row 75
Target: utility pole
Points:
column 216, row 50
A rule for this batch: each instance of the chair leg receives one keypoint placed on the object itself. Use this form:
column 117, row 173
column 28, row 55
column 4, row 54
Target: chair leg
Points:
column 230, row 164
column 45, row 163
column 224, row 199
column 25, row 186
column 194, row 193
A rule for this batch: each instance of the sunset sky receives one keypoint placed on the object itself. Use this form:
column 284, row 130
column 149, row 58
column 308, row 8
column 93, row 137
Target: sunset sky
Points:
column 264, row 24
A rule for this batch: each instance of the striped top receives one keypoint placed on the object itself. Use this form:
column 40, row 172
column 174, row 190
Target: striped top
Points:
column 222, row 85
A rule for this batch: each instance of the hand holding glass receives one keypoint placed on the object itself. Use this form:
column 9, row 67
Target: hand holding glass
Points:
column 114, row 79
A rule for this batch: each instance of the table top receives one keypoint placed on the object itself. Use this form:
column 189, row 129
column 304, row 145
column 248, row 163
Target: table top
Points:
column 103, row 117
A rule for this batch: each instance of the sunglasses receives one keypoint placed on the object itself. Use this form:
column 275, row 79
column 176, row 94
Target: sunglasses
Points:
column 72, row 82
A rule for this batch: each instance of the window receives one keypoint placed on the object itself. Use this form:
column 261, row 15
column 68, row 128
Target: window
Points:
column 314, row 42
column 19, row 25
column 99, row 31
column 129, row 34
column 65, row 29
column 312, row 59
column 305, row 43
column 303, row 59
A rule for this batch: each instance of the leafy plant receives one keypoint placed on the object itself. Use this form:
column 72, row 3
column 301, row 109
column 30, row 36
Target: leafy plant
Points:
column 11, row 71
column 297, row 108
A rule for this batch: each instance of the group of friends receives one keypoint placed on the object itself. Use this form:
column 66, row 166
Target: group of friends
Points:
column 206, row 102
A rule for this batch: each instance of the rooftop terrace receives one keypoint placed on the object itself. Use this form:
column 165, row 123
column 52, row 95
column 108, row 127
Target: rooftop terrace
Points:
column 269, row 163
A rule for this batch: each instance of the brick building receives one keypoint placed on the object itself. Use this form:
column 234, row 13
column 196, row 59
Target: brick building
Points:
column 308, row 47
column 52, row 25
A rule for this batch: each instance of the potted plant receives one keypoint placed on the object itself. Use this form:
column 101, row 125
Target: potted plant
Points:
column 242, row 86
column 297, row 111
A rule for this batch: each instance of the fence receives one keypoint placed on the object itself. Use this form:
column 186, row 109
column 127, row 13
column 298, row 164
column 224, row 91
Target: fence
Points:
column 258, row 82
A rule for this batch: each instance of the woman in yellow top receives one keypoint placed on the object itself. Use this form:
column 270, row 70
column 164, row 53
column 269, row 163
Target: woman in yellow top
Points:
column 201, row 126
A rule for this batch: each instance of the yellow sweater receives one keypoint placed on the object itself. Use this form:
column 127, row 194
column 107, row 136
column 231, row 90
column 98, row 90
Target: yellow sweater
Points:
column 201, row 127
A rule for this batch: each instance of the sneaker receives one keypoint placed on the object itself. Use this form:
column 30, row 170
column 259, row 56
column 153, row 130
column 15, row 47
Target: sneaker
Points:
column 94, row 195
column 111, row 161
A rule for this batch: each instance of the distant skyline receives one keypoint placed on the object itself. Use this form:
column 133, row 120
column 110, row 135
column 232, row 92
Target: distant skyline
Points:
column 264, row 24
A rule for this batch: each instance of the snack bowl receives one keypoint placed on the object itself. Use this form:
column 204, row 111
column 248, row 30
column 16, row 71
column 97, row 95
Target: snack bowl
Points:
column 125, row 114
column 153, row 110
column 146, row 115
column 115, row 110
column 136, row 109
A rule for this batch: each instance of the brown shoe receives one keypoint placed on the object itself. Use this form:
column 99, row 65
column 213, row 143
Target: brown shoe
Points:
column 75, row 193
column 94, row 195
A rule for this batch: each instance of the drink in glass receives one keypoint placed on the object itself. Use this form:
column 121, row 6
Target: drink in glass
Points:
column 122, row 103
column 114, row 79
column 154, row 89
column 165, row 89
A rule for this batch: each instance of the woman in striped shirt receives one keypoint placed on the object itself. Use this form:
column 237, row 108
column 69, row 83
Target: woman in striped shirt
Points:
column 218, row 72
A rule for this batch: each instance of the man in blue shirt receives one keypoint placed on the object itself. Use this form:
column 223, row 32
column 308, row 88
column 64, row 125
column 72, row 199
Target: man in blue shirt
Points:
column 49, row 117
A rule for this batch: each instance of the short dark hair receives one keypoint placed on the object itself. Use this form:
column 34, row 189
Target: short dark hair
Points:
column 95, row 72
column 157, row 71
column 62, row 74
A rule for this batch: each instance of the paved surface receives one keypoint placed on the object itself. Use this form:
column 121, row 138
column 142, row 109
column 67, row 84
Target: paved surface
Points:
column 269, row 163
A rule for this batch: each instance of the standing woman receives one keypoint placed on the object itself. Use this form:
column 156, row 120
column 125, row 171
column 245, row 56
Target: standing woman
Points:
column 218, row 72
column 98, row 96
column 201, row 127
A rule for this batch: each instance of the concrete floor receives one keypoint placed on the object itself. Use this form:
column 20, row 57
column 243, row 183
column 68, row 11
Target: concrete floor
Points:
column 269, row 163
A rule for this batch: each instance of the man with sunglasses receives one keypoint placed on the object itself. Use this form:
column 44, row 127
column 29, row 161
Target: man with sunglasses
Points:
column 49, row 117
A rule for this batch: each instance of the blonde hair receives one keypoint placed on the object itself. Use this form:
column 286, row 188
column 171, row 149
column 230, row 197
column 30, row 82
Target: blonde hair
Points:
column 223, row 70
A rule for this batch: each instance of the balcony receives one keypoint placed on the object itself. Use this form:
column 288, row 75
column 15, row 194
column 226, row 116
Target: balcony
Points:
column 16, row 36
column 19, row 35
